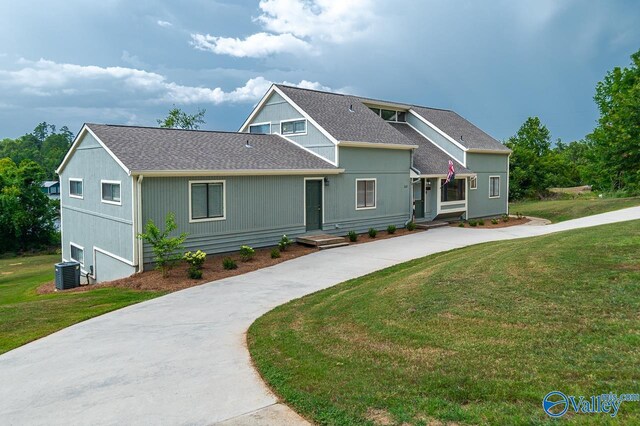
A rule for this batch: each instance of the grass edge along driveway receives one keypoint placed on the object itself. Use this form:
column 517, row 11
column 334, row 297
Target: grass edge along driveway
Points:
column 476, row 335
column 561, row 210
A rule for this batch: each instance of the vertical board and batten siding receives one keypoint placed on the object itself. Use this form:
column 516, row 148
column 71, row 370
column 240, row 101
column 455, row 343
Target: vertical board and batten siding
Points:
column 276, row 109
column 486, row 165
column 435, row 137
column 258, row 211
column 89, row 222
column 390, row 168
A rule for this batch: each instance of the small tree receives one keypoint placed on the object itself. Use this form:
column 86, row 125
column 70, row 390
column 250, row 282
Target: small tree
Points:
column 178, row 119
column 166, row 250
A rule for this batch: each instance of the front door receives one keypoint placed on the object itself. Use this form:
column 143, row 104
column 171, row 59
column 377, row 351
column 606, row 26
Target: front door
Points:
column 313, row 204
column 418, row 196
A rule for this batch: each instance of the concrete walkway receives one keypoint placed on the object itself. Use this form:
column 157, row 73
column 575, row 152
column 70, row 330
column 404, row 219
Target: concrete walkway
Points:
column 182, row 359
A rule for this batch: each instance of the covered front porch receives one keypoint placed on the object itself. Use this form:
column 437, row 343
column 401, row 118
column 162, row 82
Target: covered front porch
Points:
column 435, row 200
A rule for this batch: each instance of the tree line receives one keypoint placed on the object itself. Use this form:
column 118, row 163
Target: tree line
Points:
column 608, row 158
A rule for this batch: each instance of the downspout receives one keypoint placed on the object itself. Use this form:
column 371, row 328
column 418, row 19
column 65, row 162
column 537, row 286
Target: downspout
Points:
column 508, row 174
column 139, row 222
column 410, row 189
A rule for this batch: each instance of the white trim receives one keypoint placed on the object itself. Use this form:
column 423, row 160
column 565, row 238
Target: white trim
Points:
column 75, row 144
column 139, row 242
column 134, row 222
column 495, row 196
column 355, row 144
column 260, row 124
column 434, row 127
column 78, row 246
column 473, row 179
column 308, row 150
column 508, row 177
column 257, row 109
column 304, row 200
column 488, row 151
column 253, row 172
column 111, row 182
column 375, row 193
column 106, row 253
column 81, row 196
column 463, row 164
column 224, row 201
column 293, row 133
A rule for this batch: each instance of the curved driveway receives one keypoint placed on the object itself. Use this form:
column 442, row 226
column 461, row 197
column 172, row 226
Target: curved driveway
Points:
column 181, row 358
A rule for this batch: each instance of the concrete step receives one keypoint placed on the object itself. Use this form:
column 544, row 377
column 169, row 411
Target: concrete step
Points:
column 330, row 246
column 432, row 225
column 320, row 240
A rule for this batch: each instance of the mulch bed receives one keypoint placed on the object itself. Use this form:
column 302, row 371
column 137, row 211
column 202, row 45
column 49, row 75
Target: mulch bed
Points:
column 212, row 269
column 513, row 221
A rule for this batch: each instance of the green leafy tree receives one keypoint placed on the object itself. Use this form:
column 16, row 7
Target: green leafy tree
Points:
column 615, row 142
column 167, row 250
column 26, row 214
column 178, row 119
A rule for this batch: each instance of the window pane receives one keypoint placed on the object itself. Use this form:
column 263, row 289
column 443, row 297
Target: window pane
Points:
column 198, row 200
column 402, row 116
column 495, row 187
column 287, row 127
column 371, row 193
column 77, row 254
column 215, row 200
column 452, row 191
column 361, row 193
column 115, row 191
column 261, row 128
column 300, row 126
column 106, row 191
column 376, row 110
column 388, row 115
column 75, row 187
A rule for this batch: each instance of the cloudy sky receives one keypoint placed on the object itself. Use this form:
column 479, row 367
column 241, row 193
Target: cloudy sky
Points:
column 495, row 62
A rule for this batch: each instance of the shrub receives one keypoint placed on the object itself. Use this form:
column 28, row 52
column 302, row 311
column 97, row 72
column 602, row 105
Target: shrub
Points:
column 411, row 226
column 494, row 221
column 505, row 218
column 481, row 222
column 461, row 224
column 194, row 273
column 284, row 243
column 228, row 263
column 247, row 253
column 353, row 236
column 373, row 232
column 473, row 223
column 165, row 248
column 275, row 253
column 391, row 229
column 519, row 215
column 195, row 260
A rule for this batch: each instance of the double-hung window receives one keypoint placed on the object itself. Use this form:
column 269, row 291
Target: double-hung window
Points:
column 293, row 127
column 365, row 194
column 494, row 186
column 110, row 192
column 75, row 188
column 207, row 200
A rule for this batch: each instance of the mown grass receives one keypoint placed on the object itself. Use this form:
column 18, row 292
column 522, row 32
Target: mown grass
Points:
column 473, row 336
column 561, row 210
column 26, row 316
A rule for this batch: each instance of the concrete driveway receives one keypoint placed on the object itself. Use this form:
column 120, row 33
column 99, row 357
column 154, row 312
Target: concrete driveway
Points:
column 182, row 359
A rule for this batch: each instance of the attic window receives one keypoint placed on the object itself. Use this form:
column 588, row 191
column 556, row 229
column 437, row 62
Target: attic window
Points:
column 390, row 115
column 293, row 127
column 262, row 128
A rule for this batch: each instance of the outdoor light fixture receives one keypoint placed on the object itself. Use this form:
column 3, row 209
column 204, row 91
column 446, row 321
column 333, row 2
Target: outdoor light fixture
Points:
column 326, row 181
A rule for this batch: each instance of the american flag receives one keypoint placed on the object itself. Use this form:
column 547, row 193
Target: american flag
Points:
column 451, row 174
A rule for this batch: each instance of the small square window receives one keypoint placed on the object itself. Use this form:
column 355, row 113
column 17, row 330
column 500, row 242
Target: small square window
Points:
column 207, row 200
column 111, row 192
column 75, row 188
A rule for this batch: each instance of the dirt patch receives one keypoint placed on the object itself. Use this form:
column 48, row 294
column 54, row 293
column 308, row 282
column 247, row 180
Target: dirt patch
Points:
column 513, row 221
column 379, row 417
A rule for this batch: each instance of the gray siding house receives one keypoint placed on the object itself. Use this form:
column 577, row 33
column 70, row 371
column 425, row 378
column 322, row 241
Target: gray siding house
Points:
column 303, row 162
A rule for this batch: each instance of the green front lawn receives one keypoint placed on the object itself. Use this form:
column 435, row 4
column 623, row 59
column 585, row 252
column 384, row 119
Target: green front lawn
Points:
column 474, row 336
column 26, row 316
column 560, row 210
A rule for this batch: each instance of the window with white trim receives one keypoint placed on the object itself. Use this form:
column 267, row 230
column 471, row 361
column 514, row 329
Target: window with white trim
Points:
column 110, row 192
column 473, row 182
column 261, row 128
column 365, row 193
column 452, row 191
column 75, row 188
column 293, row 127
column 77, row 253
column 494, row 186
column 207, row 200
column 390, row 115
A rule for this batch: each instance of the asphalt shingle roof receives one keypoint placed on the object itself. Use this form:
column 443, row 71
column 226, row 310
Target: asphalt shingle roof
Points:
column 149, row 148
column 427, row 158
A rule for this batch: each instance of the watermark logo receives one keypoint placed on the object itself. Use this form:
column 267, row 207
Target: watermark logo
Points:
column 556, row 403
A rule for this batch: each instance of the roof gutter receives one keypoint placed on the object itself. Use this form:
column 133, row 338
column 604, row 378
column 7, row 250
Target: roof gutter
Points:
column 244, row 172
column 489, row 151
column 355, row 144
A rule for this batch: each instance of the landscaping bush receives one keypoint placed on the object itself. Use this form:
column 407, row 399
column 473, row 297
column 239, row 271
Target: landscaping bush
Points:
column 194, row 273
column 473, row 223
column 505, row 218
column 391, row 229
column 481, row 222
column 195, row 260
column 166, row 249
column 275, row 253
column 494, row 221
column 461, row 225
column 373, row 232
column 247, row 253
column 228, row 263
column 353, row 236
column 519, row 215
column 411, row 226
column 284, row 243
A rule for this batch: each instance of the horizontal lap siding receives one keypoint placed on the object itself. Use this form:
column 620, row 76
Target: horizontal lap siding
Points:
column 259, row 209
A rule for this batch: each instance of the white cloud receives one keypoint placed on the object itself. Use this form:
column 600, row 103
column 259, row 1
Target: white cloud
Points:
column 44, row 78
column 255, row 46
column 294, row 26
column 132, row 59
column 164, row 24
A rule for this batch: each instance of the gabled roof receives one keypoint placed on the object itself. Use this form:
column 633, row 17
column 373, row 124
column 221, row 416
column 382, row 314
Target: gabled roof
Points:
column 152, row 149
column 331, row 111
column 49, row 183
column 428, row 158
